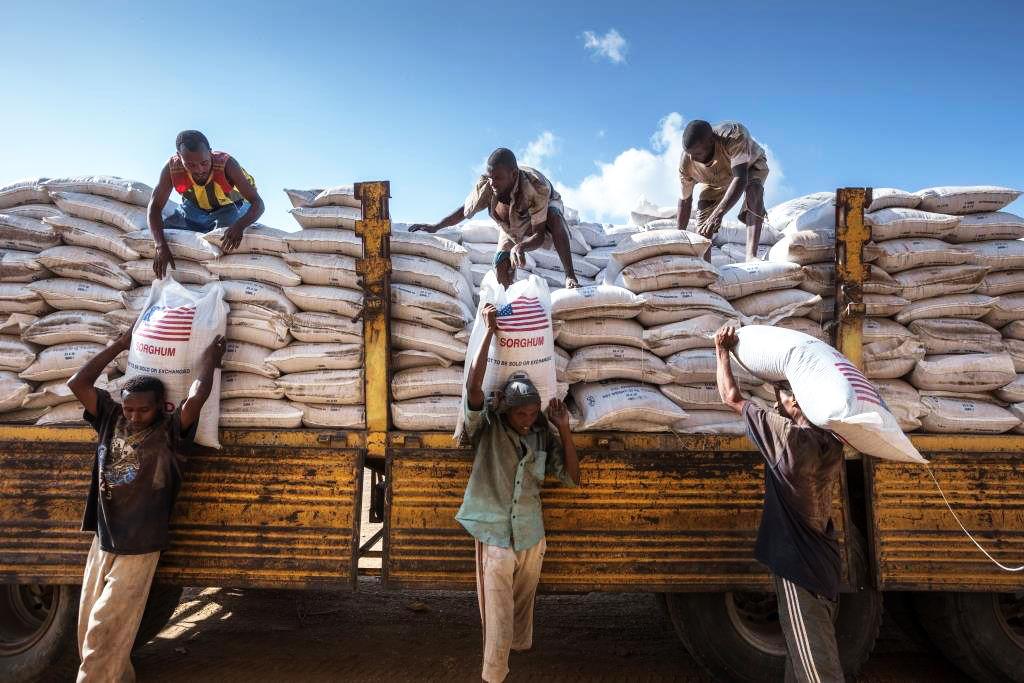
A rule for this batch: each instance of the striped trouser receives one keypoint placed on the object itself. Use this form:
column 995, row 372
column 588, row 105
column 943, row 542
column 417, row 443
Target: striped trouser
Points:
column 807, row 622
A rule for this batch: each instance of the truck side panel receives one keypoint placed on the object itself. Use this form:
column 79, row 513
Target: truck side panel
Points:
column 272, row 508
column 918, row 545
column 654, row 513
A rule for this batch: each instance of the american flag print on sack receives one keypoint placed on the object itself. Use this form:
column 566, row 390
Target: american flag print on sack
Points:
column 525, row 314
column 862, row 388
column 167, row 324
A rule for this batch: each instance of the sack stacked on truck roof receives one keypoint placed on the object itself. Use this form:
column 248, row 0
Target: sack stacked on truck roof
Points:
column 623, row 336
column 959, row 265
column 80, row 252
column 295, row 350
column 650, row 322
column 432, row 307
column 64, row 243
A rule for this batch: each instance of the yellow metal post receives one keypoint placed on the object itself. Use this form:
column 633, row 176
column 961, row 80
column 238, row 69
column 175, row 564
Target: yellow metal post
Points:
column 851, row 233
column 374, row 271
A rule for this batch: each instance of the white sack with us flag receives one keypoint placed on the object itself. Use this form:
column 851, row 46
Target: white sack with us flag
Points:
column 524, row 341
column 174, row 329
column 831, row 391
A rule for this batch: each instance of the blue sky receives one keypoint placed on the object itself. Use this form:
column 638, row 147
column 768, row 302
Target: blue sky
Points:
column 902, row 94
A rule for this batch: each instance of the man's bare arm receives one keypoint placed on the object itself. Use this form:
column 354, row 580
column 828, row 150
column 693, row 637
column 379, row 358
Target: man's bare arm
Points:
column 200, row 389
column 235, row 175
column 82, row 383
column 154, row 216
column 559, row 416
column 475, row 380
column 683, row 212
column 454, row 218
column 729, row 391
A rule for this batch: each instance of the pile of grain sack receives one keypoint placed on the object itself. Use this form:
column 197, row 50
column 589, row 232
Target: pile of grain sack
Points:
column 638, row 348
column 944, row 339
column 634, row 346
column 944, row 336
column 76, row 269
column 948, row 359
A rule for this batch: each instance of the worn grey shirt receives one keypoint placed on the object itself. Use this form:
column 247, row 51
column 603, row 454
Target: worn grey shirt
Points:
column 501, row 505
column 806, row 461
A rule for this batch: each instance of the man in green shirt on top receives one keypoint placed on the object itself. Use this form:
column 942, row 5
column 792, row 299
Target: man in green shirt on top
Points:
column 515, row 448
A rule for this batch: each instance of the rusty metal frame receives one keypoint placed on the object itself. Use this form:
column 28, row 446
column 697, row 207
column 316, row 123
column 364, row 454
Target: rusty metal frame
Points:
column 43, row 500
column 599, row 555
column 852, row 232
column 374, row 270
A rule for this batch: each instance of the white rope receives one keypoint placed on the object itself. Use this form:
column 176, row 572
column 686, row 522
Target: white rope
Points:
column 950, row 508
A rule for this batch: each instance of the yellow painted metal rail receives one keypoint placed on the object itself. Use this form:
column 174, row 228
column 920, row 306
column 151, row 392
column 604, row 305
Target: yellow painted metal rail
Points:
column 270, row 509
column 654, row 513
column 916, row 543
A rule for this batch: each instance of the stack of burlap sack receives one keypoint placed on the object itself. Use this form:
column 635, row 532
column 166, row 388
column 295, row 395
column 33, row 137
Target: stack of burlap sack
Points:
column 634, row 351
column 75, row 274
column 432, row 309
column 295, row 348
column 944, row 300
column 947, row 357
column 65, row 267
column 628, row 359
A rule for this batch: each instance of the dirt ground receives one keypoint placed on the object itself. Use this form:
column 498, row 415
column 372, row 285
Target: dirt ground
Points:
column 225, row 634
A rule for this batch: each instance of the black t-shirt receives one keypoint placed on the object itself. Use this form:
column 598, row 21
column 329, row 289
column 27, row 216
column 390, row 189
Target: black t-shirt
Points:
column 135, row 479
column 797, row 539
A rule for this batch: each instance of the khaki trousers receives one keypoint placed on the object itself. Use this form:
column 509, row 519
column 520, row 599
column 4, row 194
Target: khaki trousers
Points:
column 506, row 585
column 114, row 593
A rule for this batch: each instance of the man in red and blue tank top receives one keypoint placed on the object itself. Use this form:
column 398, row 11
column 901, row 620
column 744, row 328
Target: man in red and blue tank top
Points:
column 216, row 192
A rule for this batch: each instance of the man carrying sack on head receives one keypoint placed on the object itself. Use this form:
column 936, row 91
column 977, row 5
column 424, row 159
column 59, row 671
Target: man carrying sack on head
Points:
column 515, row 447
column 796, row 540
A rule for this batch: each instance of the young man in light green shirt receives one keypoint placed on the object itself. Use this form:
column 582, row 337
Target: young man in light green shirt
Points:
column 514, row 449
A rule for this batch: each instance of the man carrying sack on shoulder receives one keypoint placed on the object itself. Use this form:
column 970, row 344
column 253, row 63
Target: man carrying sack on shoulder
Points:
column 796, row 540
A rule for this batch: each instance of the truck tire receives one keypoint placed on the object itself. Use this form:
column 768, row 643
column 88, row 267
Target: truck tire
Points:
column 39, row 628
column 737, row 637
column 981, row 633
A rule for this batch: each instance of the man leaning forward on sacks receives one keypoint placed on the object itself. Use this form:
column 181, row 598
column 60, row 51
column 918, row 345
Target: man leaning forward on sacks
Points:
column 796, row 540
column 527, row 209
column 136, row 476
column 216, row 192
column 514, row 448
column 730, row 164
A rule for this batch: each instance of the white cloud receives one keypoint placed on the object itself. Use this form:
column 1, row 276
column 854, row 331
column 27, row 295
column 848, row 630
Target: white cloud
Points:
column 611, row 45
column 543, row 147
column 648, row 174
